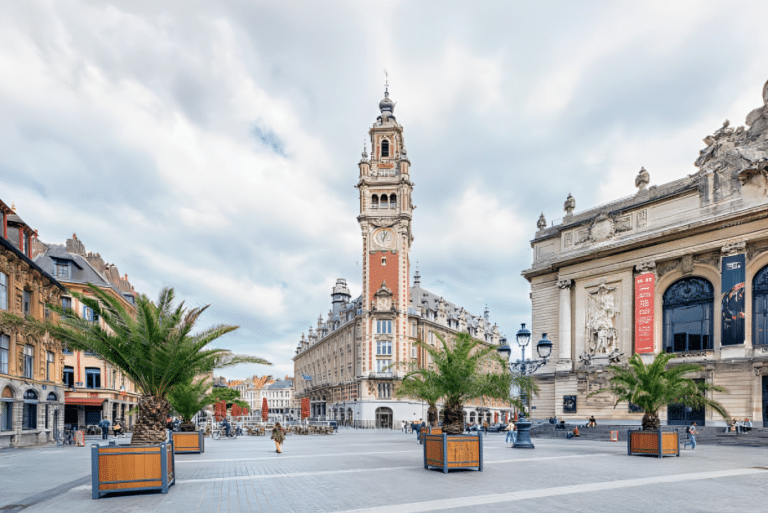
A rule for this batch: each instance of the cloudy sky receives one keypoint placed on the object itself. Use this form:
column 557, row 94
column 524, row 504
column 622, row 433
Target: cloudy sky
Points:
column 213, row 146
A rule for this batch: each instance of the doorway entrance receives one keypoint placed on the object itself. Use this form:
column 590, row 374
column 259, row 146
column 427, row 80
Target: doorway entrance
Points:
column 384, row 418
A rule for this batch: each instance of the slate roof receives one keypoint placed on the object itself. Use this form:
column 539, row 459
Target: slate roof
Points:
column 280, row 384
column 81, row 272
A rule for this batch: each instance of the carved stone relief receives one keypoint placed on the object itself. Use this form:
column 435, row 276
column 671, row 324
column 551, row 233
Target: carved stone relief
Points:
column 666, row 267
column 687, row 264
column 568, row 240
column 642, row 218
column 602, row 317
column 645, row 267
column 623, row 223
column 564, row 283
column 733, row 248
column 711, row 259
column 756, row 248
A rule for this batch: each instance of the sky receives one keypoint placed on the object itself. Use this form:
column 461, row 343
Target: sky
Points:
column 213, row 146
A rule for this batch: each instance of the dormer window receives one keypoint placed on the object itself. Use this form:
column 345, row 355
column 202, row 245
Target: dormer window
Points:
column 61, row 269
column 385, row 148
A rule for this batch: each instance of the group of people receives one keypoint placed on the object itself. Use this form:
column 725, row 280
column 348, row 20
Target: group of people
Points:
column 117, row 429
column 740, row 426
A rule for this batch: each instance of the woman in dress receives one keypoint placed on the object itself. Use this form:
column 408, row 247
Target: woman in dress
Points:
column 278, row 435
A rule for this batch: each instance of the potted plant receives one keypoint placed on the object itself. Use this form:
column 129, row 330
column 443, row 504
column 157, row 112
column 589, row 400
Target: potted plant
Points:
column 651, row 387
column 158, row 351
column 460, row 372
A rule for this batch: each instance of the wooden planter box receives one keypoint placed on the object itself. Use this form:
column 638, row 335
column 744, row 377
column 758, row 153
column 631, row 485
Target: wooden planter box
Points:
column 656, row 443
column 429, row 430
column 449, row 452
column 186, row 442
column 130, row 468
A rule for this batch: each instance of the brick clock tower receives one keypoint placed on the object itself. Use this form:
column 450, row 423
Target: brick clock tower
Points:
column 385, row 220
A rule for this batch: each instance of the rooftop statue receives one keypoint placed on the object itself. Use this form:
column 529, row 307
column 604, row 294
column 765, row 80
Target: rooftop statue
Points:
column 739, row 155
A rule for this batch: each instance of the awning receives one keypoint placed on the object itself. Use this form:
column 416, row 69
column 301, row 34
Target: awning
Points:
column 86, row 401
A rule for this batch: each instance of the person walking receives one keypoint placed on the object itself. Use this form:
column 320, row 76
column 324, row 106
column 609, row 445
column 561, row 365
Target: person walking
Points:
column 104, row 425
column 511, row 433
column 692, row 434
column 278, row 435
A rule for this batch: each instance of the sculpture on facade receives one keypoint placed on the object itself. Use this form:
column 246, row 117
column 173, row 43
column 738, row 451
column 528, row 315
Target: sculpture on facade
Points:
column 570, row 205
column 601, row 320
column 738, row 156
column 642, row 179
column 542, row 222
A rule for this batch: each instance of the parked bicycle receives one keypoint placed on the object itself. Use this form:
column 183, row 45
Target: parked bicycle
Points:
column 64, row 437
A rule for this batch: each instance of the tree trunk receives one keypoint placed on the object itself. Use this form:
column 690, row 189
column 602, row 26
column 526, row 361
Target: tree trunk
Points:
column 432, row 416
column 153, row 414
column 651, row 421
column 453, row 423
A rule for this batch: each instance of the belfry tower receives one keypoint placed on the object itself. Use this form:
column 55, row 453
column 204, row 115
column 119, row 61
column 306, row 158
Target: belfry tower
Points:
column 385, row 220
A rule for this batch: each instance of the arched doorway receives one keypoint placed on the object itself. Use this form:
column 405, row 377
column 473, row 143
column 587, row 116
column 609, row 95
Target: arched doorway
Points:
column 384, row 418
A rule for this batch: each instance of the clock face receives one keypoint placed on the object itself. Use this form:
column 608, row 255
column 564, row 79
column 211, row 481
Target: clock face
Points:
column 384, row 238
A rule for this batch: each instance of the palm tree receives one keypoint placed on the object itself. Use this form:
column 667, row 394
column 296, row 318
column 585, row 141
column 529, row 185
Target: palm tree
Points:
column 157, row 350
column 654, row 386
column 459, row 373
column 189, row 398
column 422, row 388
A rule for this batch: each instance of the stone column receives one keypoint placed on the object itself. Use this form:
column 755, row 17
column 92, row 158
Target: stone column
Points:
column 564, row 335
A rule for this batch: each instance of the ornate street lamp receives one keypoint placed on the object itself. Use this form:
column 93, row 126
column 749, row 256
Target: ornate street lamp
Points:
column 525, row 368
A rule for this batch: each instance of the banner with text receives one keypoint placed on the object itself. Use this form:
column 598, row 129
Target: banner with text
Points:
column 644, row 288
column 733, row 299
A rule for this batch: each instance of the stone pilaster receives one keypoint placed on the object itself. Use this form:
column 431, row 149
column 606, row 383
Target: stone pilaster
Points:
column 565, row 329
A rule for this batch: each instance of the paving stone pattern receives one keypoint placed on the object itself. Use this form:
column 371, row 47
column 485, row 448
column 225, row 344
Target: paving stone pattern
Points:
column 382, row 471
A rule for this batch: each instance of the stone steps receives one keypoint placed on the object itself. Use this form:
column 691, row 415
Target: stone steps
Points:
column 758, row 437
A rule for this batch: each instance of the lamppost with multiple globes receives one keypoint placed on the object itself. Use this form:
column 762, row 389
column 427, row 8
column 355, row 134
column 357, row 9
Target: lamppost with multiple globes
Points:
column 525, row 368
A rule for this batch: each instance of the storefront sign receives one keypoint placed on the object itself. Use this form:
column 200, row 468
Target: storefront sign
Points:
column 733, row 299
column 644, row 288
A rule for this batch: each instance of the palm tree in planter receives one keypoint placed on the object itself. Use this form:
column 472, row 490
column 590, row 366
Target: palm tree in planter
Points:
column 189, row 398
column 651, row 387
column 157, row 350
column 461, row 372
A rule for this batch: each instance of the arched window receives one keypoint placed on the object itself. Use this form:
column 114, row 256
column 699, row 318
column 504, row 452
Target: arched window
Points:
column 760, row 307
column 688, row 307
column 52, row 396
column 29, row 416
column 384, row 201
column 392, row 201
column 374, row 201
column 385, row 148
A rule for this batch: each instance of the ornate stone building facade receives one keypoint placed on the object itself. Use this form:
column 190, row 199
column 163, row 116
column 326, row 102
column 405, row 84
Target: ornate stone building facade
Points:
column 351, row 363
column 680, row 267
column 31, row 392
column 94, row 387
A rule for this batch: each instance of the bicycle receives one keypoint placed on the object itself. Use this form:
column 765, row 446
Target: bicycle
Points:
column 219, row 432
column 64, row 437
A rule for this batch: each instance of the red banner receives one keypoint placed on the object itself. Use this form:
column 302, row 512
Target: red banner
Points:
column 644, row 289
column 305, row 408
column 264, row 410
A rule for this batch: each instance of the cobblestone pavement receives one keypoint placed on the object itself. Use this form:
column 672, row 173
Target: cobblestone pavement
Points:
column 382, row 471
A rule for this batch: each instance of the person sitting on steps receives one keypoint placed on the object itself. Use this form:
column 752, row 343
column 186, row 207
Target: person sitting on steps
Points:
column 592, row 422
